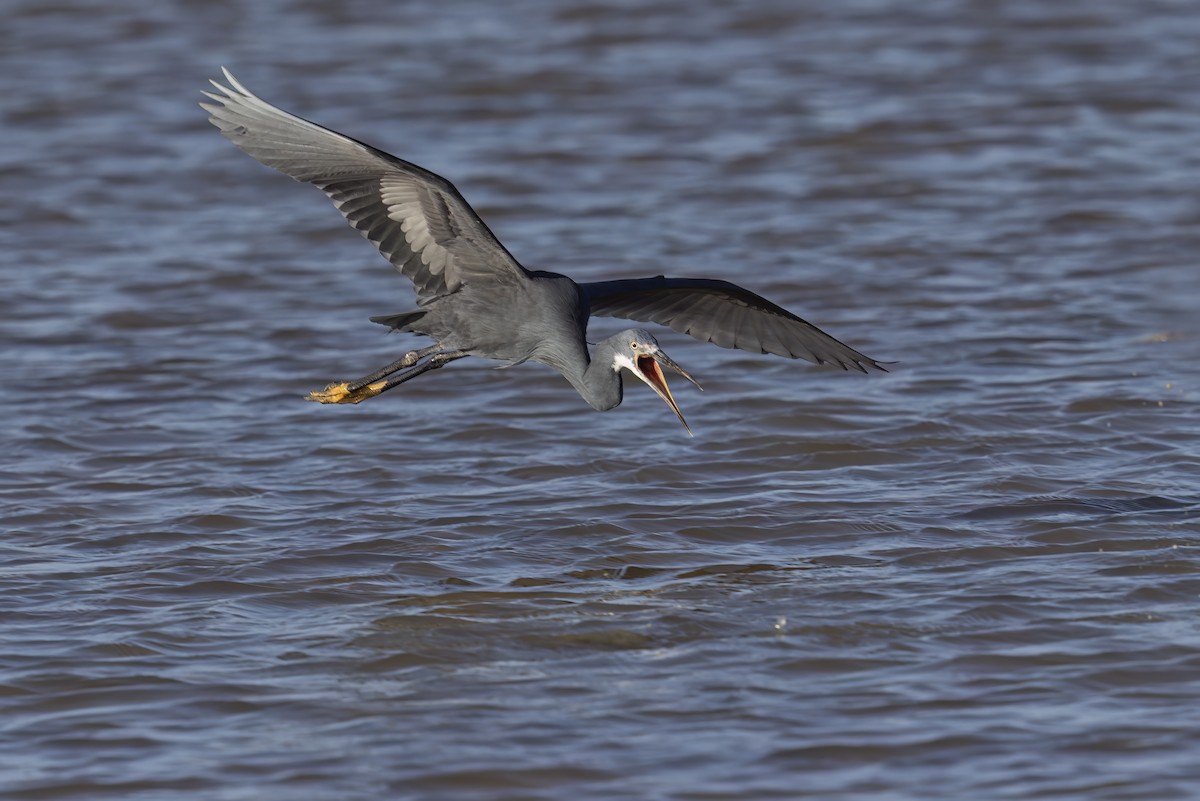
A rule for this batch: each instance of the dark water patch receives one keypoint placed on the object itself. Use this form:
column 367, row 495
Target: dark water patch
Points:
column 1079, row 506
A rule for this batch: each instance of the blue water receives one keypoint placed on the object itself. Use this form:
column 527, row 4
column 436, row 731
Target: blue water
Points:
column 975, row 576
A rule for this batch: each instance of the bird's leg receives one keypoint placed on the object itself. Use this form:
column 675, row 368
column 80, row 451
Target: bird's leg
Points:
column 438, row 360
column 353, row 391
column 407, row 360
column 338, row 393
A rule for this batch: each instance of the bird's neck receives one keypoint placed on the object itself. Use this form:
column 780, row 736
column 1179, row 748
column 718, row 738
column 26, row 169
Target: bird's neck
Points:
column 594, row 377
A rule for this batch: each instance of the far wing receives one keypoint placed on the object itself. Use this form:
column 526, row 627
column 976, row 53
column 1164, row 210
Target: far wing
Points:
column 724, row 314
column 418, row 220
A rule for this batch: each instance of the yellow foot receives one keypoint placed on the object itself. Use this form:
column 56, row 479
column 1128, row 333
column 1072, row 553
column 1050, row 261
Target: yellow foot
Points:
column 340, row 393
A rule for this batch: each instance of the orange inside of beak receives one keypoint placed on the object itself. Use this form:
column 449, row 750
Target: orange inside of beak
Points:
column 653, row 375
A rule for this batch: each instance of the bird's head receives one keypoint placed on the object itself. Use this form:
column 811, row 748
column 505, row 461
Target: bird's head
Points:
column 638, row 352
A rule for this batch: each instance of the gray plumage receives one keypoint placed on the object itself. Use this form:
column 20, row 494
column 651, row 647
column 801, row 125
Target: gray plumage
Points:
column 475, row 299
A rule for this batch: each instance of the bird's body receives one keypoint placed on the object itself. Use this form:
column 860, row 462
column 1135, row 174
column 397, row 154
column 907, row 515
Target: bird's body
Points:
column 552, row 332
column 475, row 299
column 555, row 315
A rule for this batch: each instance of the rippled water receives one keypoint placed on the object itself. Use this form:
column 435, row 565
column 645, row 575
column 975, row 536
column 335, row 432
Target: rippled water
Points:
column 973, row 577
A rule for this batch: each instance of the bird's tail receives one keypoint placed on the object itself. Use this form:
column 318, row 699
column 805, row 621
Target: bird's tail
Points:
column 404, row 321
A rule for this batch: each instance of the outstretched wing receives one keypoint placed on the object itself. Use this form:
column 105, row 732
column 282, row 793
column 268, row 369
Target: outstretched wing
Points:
column 418, row 220
column 723, row 314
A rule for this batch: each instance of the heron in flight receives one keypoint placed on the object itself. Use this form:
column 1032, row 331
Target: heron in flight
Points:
column 475, row 299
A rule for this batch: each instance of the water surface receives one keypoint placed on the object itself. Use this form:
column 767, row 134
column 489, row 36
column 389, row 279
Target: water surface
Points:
column 975, row 576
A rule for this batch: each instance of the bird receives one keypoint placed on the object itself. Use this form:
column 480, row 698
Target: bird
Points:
column 475, row 299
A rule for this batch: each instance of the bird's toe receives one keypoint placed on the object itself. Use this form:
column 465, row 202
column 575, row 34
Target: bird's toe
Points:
column 341, row 393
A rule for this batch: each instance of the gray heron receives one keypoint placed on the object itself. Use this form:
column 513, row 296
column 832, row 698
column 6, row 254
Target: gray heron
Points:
column 475, row 299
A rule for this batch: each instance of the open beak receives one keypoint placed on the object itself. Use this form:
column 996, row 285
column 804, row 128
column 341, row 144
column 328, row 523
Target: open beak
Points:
column 649, row 371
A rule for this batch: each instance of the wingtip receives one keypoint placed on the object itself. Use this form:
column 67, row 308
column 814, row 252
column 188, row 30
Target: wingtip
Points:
column 232, row 80
column 880, row 366
column 234, row 88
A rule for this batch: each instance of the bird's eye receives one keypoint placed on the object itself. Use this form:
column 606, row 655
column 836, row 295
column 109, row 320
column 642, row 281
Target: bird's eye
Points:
column 633, row 345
